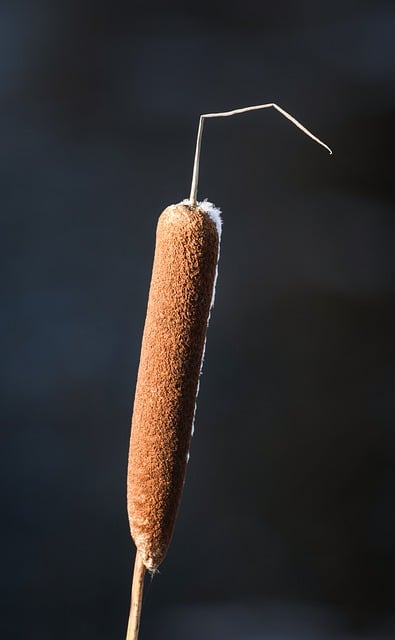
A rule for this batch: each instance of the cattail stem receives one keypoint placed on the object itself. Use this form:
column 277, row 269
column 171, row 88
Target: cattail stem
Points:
column 234, row 112
column 136, row 598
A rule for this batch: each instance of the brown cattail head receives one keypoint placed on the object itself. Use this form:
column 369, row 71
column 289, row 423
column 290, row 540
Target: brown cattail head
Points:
column 180, row 298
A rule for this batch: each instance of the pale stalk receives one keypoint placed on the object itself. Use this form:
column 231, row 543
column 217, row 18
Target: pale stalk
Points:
column 136, row 598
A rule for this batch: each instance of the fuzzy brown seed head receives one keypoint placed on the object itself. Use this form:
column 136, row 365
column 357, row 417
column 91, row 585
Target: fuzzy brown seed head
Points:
column 183, row 275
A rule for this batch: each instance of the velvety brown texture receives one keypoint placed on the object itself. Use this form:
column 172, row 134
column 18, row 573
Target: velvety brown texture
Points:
column 179, row 302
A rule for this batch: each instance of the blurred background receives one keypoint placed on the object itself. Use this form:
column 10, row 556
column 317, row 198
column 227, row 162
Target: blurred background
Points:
column 287, row 526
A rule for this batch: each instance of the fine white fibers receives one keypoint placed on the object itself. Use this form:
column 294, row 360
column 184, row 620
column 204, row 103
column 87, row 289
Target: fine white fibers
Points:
column 212, row 210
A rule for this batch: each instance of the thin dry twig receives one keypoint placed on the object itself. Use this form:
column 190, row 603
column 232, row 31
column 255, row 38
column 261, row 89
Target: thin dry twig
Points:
column 234, row 112
column 136, row 598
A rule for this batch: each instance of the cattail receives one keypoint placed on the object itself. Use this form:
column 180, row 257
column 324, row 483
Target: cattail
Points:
column 180, row 298
column 186, row 254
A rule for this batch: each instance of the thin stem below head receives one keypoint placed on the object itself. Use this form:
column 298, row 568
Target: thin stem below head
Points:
column 136, row 598
column 224, row 114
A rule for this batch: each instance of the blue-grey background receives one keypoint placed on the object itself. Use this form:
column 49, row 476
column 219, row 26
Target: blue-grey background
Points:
column 287, row 525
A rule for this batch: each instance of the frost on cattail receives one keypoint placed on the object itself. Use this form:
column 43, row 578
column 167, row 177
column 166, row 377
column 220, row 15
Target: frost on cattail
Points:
column 180, row 298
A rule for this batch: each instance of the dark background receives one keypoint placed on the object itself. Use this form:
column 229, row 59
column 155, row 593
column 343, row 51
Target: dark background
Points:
column 287, row 525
